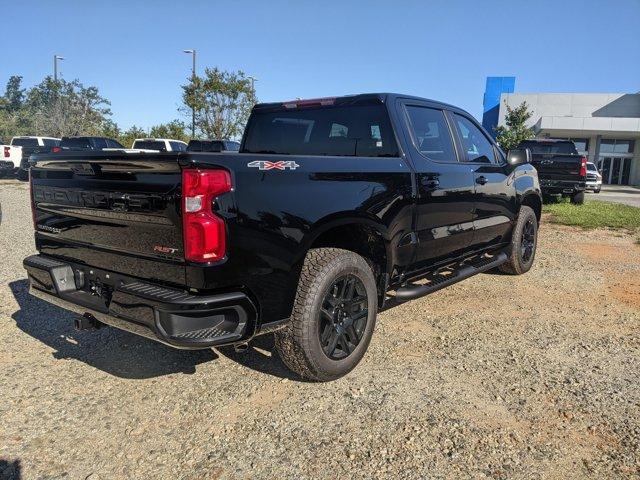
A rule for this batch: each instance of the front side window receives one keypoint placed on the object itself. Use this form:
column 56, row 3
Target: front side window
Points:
column 431, row 134
column 347, row 130
column 476, row 146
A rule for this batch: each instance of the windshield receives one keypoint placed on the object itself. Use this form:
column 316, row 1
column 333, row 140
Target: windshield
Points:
column 25, row 142
column 150, row 145
column 354, row 130
column 591, row 167
column 562, row 148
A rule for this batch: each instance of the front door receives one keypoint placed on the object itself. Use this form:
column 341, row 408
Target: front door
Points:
column 494, row 190
column 445, row 190
column 615, row 170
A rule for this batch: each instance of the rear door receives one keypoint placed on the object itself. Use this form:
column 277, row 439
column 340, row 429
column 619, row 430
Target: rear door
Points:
column 445, row 189
column 111, row 212
column 494, row 191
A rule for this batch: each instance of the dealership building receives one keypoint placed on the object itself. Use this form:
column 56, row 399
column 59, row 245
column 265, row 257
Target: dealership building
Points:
column 604, row 126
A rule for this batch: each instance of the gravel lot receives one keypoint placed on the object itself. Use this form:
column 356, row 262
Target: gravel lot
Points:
column 503, row 377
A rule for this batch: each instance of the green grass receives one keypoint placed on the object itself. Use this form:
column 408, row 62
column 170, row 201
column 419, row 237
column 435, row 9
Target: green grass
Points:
column 595, row 214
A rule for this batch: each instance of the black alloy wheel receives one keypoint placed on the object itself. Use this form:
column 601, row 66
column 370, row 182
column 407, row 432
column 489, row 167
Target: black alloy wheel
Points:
column 528, row 241
column 343, row 319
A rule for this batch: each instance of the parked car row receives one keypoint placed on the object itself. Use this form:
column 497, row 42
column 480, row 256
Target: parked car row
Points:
column 14, row 158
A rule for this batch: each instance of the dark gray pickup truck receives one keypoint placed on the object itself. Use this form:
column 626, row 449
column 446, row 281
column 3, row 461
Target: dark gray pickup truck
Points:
column 561, row 169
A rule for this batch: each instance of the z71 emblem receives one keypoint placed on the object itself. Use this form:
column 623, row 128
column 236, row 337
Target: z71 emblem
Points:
column 281, row 165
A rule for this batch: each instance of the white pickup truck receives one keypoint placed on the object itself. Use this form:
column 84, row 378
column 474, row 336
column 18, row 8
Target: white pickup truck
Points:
column 159, row 145
column 14, row 157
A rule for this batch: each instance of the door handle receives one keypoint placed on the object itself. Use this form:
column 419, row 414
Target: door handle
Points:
column 431, row 184
column 481, row 180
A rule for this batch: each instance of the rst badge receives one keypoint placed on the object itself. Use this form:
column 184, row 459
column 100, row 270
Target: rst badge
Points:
column 266, row 165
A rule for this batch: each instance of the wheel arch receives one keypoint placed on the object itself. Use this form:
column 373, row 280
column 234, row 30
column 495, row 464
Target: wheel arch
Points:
column 359, row 234
column 534, row 201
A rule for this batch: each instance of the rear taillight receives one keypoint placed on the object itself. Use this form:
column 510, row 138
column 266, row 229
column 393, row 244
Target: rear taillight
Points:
column 583, row 167
column 204, row 231
column 56, row 150
column 6, row 152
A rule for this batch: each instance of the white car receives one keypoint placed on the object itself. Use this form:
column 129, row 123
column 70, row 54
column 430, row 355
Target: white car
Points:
column 15, row 156
column 159, row 145
column 594, row 178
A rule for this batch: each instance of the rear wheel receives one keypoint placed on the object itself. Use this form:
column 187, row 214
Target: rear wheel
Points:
column 333, row 317
column 524, row 241
column 578, row 198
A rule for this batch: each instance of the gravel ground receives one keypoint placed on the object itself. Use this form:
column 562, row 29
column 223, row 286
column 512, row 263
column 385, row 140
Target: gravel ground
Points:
column 503, row 377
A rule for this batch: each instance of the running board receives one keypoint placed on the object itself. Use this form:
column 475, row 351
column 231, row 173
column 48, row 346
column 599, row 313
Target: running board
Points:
column 409, row 292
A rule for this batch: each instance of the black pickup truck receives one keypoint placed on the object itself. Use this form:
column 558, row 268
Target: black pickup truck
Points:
column 561, row 169
column 333, row 210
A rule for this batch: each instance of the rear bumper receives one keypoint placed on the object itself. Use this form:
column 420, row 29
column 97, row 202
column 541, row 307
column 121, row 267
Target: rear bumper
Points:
column 174, row 317
column 561, row 186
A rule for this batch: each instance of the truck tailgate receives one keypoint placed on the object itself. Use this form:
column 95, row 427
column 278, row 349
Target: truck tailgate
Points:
column 557, row 166
column 112, row 211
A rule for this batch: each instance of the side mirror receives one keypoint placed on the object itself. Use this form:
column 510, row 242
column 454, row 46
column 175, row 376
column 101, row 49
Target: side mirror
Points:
column 518, row 156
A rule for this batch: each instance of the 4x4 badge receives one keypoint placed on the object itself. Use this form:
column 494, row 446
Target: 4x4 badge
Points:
column 281, row 165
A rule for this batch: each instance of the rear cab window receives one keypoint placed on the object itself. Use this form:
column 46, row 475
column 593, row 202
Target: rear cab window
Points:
column 80, row 142
column 549, row 147
column 356, row 129
column 25, row 142
column 150, row 145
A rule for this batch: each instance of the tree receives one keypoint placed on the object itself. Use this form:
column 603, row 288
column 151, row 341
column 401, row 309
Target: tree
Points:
column 515, row 131
column 126, row 138
column 222, row 102
column 68, row 108
column 13, row 95
column 174, row 129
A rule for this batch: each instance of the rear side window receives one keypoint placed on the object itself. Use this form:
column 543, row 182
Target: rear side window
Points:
column 562, row 148
column 50, row 142
column 431, row 134
column 25, row 142
column 476, row 146
column 354, row 130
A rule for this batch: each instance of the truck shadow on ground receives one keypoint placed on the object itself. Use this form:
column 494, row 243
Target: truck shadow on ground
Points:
column 120, row 353
column 10, row 470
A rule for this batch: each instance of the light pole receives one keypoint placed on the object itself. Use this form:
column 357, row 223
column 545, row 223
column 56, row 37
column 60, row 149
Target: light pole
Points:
column 253, row 82
column 192, row 51
column 55, row 66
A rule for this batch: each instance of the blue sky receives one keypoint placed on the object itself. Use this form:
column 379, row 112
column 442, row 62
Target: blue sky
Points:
column 132, row 51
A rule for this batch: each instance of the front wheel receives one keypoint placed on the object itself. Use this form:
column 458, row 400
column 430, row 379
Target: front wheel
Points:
column 333, row 317
column 524, row 241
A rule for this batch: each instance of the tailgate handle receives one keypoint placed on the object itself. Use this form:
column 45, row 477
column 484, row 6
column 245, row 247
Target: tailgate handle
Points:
column 546, row 162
